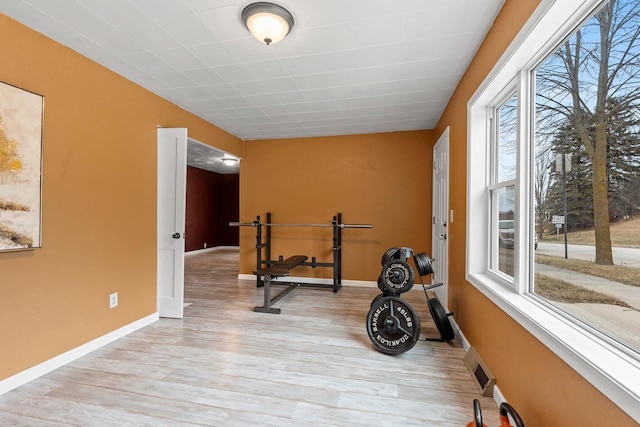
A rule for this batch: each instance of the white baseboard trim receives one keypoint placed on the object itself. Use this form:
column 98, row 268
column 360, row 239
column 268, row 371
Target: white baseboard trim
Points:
column 213, row 249
column 498, row 397
column 43, row 368
column 459, row 335
column 313, row 280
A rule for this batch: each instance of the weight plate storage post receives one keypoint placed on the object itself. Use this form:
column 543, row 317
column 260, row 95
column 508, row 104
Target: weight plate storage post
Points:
column 393, row 325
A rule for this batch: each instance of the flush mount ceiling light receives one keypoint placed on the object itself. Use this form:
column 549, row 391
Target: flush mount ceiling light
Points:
column 268, row 22
column 229, row 161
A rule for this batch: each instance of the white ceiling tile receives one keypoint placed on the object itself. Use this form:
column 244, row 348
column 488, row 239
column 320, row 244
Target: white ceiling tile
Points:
column 270, row 69
column 250, row 49
column 237, row 102
column 378, row 31
column 274, row 110
column 291, row 97
column 164, row 11
column 377, row 55
column 262, row 99
column 147, row 62
column 213, row 54
column 359, row 10
column 307, row 14
column 225, row 22
column 203, row 76
column 317, row 40
column 253, row 87
column 320, row 63
column 235, row 73
column 181, row 59
column 129, row 20
column 280, row 84
column 250, row 112
column 300, row 107
column 173, row 79
column 204, row 104
column 186, row 29
column 199, row 5
column 223, row 90
column 309, row 82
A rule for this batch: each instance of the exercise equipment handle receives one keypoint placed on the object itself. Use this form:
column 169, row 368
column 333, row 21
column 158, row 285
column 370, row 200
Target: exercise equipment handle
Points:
column 505, row 410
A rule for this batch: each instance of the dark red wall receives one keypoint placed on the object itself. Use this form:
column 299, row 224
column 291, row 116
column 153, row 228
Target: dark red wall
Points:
column 212, row 202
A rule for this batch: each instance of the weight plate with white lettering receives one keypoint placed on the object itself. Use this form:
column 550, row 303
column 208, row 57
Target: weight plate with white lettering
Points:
column 397, row 277
column 393, row 325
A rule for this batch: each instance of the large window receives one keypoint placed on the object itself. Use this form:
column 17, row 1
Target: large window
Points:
column 587, row 152
column 562, row 151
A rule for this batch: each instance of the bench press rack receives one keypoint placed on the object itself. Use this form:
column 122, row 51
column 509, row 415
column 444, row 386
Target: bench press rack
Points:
column 281, row 268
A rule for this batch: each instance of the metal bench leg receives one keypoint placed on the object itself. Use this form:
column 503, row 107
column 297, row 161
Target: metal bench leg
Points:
column 266, row 308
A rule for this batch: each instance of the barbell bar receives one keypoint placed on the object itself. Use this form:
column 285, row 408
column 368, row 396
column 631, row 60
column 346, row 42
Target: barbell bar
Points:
column 255, row 224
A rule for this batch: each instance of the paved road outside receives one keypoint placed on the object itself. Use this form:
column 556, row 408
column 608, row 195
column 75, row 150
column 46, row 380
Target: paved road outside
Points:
column 629, row 257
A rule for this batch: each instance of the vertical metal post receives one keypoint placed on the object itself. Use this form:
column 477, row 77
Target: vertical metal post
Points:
column 269, row 237
column 564, row 191
column 258, row 249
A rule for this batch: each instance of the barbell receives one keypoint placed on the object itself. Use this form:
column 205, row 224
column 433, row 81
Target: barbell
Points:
column 268, row 224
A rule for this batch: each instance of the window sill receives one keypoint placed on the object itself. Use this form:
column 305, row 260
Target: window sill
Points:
column 611, row 370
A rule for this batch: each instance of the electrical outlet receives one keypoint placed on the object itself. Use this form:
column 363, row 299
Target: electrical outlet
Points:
column 205, row 246
column 113, row 300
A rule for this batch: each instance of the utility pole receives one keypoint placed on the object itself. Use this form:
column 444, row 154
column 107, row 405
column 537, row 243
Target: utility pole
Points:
column 564, row 195
column 563, row 164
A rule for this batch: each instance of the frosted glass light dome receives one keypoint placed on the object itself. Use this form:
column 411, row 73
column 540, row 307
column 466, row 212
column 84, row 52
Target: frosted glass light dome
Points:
column 268, row 22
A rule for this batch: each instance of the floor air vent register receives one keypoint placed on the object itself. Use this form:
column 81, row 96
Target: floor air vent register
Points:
column 482, row 376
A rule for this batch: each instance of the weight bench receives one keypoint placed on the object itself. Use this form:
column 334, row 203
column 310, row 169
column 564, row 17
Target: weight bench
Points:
column 277, row 269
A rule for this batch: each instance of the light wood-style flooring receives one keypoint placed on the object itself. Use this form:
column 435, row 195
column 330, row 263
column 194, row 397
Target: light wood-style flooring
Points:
column 225, row 365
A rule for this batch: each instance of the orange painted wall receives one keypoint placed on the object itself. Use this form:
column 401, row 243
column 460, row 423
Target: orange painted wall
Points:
column 99, row 202
column 542, row 388
column 379, row 179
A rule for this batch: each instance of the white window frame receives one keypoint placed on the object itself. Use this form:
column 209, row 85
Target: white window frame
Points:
column 608, row 367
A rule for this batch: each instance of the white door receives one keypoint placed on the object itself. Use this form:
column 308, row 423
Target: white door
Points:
column 172, row 181
column 440, row 220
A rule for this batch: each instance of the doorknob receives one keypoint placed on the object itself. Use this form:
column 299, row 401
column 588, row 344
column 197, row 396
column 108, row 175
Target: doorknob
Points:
column 176, row 235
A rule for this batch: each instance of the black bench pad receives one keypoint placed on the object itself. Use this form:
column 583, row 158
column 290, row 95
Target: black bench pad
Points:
column 281, row 268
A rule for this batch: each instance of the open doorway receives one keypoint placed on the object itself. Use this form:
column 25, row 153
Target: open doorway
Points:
column 173, row 149
column 213, row 198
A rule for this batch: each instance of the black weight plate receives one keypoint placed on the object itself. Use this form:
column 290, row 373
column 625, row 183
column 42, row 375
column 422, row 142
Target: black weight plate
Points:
column 376, row 299
column 384, row 294
column 397, row 277
column 393, row 325
column 423, row 264
column 391, row 253
column 441, row 319
column 380, row 283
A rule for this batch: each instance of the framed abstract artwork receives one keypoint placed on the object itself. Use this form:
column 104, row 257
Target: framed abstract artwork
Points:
column 21, row 122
